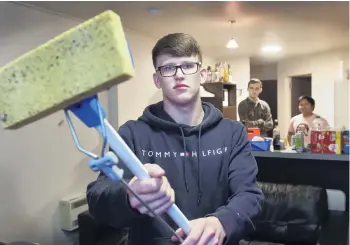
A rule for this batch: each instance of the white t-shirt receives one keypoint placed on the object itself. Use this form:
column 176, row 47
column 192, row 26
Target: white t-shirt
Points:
column 304, row 124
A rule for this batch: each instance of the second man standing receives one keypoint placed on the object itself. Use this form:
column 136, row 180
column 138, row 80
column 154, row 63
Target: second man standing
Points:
column 254, row 112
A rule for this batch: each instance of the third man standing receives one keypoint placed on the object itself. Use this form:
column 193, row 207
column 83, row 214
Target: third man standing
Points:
column 254, row 112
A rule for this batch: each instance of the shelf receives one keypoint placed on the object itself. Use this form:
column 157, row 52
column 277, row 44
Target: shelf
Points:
column 218, row 90
column 230, row 112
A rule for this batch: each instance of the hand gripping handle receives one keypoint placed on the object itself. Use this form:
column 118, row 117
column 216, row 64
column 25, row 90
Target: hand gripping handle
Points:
column 135, row 166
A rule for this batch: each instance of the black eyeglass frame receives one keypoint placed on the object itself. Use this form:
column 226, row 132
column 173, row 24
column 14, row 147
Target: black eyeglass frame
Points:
column 180, row 66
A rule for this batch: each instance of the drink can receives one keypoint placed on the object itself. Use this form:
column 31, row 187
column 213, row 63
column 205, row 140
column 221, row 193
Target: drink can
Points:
column 346, row 144
column 292, row 143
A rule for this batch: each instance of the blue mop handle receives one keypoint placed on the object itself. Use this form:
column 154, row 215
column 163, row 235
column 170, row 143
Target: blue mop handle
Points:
column 123, row 151
column 90, row 112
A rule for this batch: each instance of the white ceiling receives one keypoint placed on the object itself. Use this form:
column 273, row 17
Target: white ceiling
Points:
column 299, row 27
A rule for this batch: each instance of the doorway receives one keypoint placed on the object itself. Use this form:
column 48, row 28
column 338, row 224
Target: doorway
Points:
column 269, row 94
column 300, row 85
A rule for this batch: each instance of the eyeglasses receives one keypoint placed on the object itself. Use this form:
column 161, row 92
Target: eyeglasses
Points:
column 186, row 68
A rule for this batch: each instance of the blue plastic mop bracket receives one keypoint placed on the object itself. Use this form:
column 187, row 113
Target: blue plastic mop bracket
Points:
column 89, row 111
column 108, row 165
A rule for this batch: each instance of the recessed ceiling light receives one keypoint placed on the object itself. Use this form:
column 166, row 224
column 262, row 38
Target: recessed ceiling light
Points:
column 153, row 11
column 271, row 49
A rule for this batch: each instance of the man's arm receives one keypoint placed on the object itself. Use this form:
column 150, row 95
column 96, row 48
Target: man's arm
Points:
column 107, row 200
column 242, row 112
column 246, row 200
column 268, row 123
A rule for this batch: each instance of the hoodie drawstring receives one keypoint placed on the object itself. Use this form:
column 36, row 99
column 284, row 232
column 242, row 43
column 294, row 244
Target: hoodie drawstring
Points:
column 199, row 167
column 199, row 175
column 184, row 163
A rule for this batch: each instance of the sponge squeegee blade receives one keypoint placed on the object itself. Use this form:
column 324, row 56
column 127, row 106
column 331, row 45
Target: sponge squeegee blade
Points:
column 85, row 60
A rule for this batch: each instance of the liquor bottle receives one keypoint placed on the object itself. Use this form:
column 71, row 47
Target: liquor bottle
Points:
column 276, row 137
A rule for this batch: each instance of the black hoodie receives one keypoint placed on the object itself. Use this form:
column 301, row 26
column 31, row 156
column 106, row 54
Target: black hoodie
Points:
column 210, row 167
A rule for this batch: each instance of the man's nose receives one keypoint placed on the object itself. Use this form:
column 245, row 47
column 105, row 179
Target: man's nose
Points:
column 179, row 73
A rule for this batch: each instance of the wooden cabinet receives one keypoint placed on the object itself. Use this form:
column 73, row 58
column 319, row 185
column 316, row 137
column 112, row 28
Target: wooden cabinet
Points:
column 218, row 89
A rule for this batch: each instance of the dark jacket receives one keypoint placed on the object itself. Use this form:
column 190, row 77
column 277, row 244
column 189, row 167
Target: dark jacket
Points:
column 256, row 115
column 210, row 167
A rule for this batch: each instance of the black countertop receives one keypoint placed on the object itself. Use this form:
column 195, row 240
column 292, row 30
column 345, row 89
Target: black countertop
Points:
column 304, row 156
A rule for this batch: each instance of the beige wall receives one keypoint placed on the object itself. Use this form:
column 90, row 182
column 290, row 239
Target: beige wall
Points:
column 240, row 68
column 264, row 72
column 39, row 164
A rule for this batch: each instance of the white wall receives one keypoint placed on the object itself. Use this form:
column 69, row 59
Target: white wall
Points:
column 208, row 61
column 324, row 68
column 264, row 72
column 39, row 164
column 240, row 68
column 342, row 97
column 137, row 93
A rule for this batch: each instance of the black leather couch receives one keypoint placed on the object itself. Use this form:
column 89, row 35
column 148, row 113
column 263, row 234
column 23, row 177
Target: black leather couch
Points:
column 292, row 215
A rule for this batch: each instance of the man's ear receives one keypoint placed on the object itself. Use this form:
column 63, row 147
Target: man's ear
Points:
column 203, row 75
column 156, row 80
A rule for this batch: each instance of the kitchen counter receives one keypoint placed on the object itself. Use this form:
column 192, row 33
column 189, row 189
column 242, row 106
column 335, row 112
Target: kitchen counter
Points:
column 304, row 156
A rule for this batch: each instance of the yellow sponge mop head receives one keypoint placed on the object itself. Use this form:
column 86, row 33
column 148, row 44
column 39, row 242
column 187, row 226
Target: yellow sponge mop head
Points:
column 77, row 64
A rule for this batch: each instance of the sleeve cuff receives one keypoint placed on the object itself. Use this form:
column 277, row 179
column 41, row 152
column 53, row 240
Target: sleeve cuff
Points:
column 130, row 210
column 232, row 222
column 122, row 211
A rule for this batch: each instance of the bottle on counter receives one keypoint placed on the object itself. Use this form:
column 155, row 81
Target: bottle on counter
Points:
column 317, row 123
column 276, row 137
column 346, row 144
column 225, row 72
column 298, row 142
column 230, row 80
column 210, row 75
column 221, row 72
column 216, row 74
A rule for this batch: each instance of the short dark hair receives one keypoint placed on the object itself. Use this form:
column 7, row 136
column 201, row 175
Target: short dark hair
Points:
column 309, row 99
column 176, row 45
column 255, row 81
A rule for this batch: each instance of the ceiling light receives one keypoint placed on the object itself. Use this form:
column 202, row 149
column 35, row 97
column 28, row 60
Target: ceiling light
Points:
column 271, row 49
column 154, row 11
column 232, row 44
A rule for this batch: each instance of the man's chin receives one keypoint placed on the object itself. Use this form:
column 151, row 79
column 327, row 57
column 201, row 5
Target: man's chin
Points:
column 183, row 100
